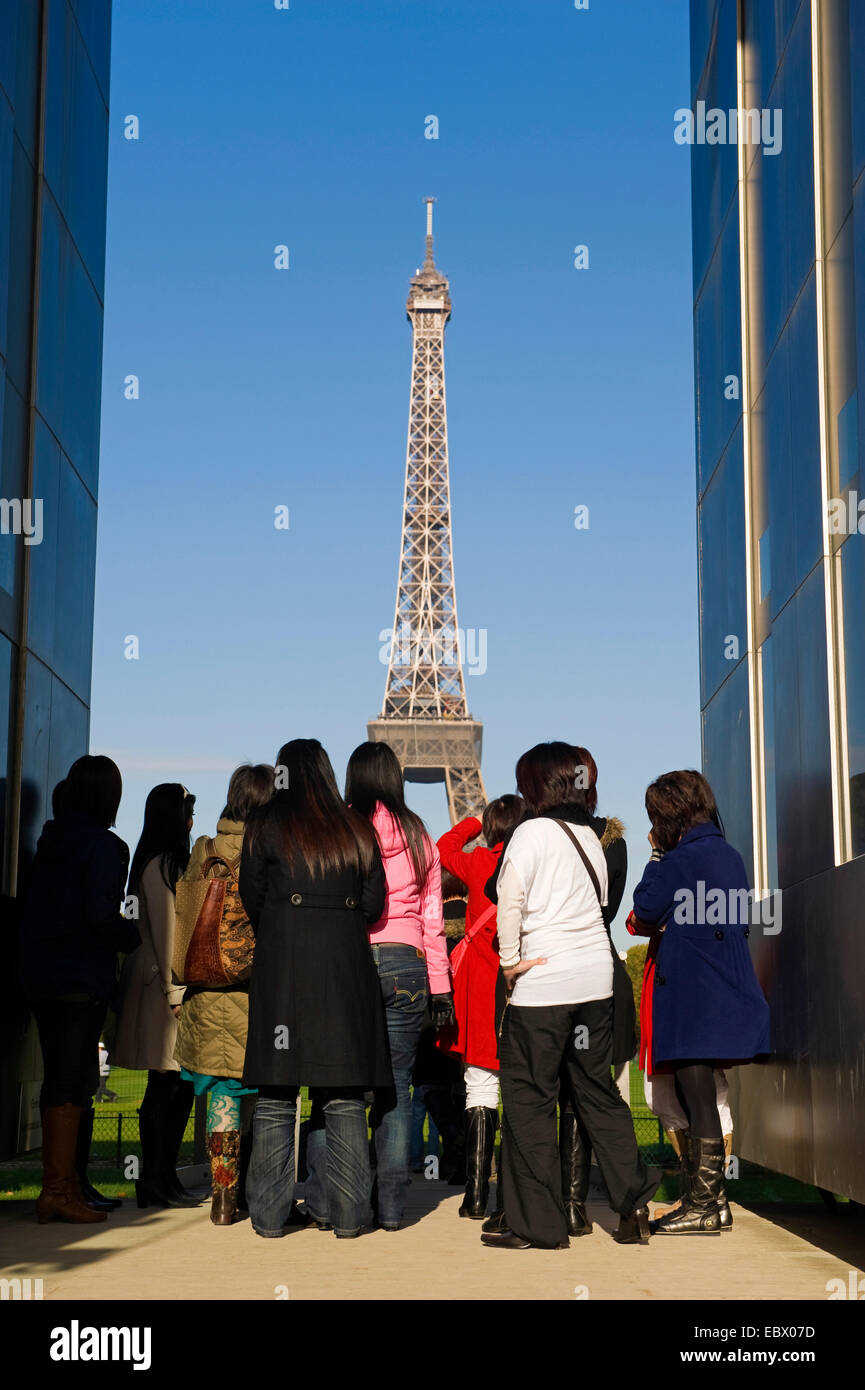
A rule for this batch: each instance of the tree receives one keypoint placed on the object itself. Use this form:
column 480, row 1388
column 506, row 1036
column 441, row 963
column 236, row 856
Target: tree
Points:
column 635, row 960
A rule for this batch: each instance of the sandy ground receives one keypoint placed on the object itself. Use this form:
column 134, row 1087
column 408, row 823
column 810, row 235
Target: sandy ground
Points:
column 178, row 1254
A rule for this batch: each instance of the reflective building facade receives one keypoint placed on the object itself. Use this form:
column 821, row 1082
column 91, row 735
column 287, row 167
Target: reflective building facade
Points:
column 54, row 73
column 779, row 329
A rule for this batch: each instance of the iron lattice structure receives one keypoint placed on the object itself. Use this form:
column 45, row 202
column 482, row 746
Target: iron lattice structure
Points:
column 425, row 716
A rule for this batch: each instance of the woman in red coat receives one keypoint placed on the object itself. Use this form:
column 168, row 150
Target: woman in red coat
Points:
column 476, row 983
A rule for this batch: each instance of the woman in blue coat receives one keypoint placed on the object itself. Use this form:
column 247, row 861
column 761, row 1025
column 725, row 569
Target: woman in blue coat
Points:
column 706, row 1009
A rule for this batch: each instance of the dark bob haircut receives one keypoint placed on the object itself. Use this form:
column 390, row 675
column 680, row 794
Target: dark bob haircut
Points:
column 500, row 816
column 93, row 787
column 452, row 887
column 251, row 785
column 558, row 774
column 676, row 802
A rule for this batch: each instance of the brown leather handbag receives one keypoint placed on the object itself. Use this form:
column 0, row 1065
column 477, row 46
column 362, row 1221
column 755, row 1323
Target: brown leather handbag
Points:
column 213, row 938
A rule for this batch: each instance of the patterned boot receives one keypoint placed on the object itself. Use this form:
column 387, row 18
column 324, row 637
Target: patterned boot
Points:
column 223, row 1146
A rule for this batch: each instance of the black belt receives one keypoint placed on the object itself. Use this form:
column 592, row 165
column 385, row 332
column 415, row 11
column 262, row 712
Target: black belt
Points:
column 331, row 900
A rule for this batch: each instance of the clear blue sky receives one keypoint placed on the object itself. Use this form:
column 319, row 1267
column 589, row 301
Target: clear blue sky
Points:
column 262, row 387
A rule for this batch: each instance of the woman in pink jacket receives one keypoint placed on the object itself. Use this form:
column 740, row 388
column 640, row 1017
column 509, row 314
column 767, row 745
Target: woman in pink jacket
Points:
column 408, row 946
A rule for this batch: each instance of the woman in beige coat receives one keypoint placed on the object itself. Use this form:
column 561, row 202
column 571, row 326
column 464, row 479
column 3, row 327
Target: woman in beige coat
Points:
column 211, row 1033
column 150, row 1001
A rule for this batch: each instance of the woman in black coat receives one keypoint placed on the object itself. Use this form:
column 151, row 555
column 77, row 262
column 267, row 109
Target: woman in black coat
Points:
column 311, row 879
column 71, row 933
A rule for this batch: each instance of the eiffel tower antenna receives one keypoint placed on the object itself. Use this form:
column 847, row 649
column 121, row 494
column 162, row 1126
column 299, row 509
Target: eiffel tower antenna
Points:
column 425, row 716
column 429, row 264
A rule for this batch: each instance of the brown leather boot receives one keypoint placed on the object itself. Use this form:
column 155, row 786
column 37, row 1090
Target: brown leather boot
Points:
column 60, row 1198
column 224, row 1149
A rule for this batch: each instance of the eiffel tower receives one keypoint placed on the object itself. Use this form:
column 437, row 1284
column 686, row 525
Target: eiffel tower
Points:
column 425, row 717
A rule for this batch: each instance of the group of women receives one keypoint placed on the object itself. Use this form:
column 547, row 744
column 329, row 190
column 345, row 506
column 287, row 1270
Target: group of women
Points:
column 343, row 896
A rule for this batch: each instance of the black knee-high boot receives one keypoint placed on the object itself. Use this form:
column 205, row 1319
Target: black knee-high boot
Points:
column 179, row 1104
column 497, row 1222
column 91, row 1196
column 157, row 1126
column 699, row 1213
column 480, row 1142
column 574, row 1159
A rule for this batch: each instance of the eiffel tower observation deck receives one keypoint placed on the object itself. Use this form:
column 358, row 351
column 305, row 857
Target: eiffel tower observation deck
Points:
column 425, row 716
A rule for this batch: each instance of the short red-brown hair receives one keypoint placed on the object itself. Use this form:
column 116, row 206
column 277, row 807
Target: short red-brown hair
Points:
column 676, row 802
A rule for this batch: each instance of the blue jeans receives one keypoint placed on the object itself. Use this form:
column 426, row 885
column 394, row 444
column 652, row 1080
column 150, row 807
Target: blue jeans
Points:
column 418, row 1149
column 315, row 1189
column 405, row 990
column 270, row 1181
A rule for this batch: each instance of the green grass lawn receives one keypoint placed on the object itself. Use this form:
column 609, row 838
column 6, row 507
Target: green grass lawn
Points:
column 115, row 1131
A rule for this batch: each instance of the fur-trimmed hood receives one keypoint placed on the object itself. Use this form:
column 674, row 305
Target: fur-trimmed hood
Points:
column 613, row 830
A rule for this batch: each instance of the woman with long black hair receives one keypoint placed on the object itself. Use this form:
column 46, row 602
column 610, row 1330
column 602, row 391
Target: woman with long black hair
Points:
column 311, row 880
column 410, row 953
column 147, row 1025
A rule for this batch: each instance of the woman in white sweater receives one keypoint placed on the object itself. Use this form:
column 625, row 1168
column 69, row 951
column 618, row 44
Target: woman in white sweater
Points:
column 556, row 957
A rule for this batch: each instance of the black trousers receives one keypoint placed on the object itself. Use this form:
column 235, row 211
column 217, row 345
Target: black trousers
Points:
column 69, row 1038
column 162, row 1119
column 536, row 1045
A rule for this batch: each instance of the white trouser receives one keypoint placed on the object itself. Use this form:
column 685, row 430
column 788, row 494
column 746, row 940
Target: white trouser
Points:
column 660, row 1093
column 482, row 1088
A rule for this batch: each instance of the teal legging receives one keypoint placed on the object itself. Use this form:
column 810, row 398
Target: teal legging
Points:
column 223, row 1113
column 229, row 1110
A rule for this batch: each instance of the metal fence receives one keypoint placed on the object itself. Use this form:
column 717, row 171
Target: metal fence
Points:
column 115, row 1126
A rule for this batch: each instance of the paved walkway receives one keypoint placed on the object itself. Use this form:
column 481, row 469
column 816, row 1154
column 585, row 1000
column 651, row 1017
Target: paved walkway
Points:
column 178, row 1254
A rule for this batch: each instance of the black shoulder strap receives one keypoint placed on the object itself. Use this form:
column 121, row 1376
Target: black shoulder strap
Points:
column 590, row 869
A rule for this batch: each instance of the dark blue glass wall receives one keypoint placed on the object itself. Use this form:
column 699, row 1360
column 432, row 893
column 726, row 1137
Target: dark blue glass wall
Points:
column 54, row 73
column 720, row 464
column 799, row 1113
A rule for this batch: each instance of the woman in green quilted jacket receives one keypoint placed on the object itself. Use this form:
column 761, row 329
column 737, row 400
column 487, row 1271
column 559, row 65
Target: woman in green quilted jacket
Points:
column 211, row 1034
